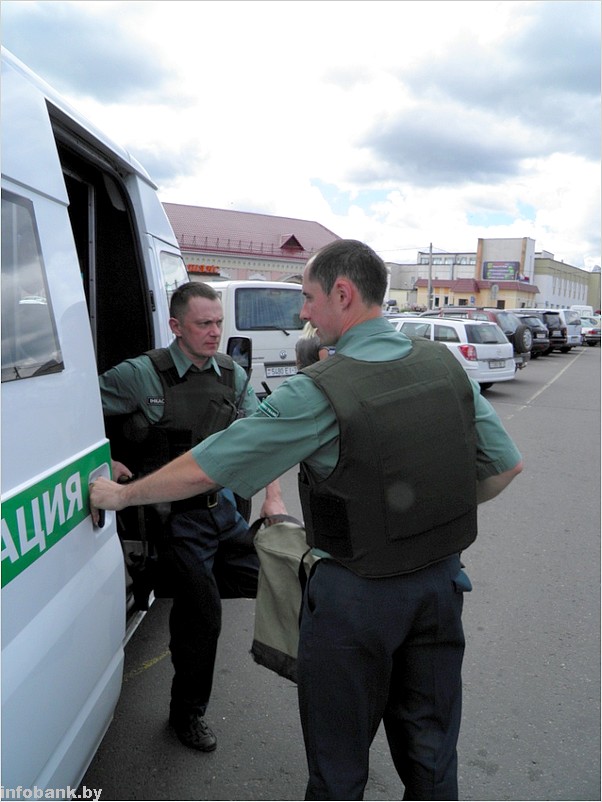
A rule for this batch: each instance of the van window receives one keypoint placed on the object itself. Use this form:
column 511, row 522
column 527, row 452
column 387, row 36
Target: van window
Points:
column 174, row 272
column 571, row 317
column 30, row 345
column 257, row 309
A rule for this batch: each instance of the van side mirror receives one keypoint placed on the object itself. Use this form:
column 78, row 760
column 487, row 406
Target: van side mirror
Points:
column 241, row 351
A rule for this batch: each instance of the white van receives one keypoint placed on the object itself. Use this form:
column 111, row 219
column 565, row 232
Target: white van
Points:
column 88, row 262
column 267, row 312
column 583, row 311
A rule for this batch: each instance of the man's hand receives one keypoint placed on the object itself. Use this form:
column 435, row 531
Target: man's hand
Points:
column 105, row 495
column 120, row 471
column 273, row 503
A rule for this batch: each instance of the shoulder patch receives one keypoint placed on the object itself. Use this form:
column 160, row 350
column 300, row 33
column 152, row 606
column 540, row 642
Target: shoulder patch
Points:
column 267, row 409
column 155, row 401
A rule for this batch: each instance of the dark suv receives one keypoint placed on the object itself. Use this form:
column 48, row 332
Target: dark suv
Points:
column 557, row 333
column 515, row 330
column 539, row 330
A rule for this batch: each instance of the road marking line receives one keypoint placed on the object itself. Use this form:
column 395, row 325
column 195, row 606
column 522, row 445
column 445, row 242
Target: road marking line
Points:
column 547, row 385
column 145, row 666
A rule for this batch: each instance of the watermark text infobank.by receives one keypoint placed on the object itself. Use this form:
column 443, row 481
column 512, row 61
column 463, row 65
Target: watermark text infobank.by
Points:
column 20, row 792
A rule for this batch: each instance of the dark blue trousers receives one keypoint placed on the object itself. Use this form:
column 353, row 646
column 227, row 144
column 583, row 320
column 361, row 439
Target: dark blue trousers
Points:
column 387, row 650
column 212, row 558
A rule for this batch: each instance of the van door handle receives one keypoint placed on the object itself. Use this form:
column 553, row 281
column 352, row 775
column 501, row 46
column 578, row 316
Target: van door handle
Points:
column 102, row 470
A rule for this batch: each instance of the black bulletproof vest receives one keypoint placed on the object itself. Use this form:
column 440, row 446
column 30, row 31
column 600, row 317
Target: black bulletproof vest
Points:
column 195, row 406
column 403, row 493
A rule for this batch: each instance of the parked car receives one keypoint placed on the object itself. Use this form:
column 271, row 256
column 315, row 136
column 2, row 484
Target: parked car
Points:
column 556, row 329
column 480, row 347
column 517, row 333
column 570, row 323
column 539, row 330
column 590, row 331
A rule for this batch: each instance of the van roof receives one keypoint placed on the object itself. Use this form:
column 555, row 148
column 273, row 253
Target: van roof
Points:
column 75, row 121
column 217, row 283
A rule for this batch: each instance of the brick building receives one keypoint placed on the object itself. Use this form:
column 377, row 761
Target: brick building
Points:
column 244, row 245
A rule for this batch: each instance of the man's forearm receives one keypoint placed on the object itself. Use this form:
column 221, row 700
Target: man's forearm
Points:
column 492, row 486
column 179, row 479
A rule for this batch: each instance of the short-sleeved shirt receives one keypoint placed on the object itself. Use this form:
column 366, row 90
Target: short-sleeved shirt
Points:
column 296, row 423
column 134, row 385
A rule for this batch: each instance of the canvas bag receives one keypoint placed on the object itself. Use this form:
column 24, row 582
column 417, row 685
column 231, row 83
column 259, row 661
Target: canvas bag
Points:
column 285, row 562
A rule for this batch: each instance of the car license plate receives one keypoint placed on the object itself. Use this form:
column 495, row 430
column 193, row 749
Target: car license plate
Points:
column 274, row 371
column 497, row 363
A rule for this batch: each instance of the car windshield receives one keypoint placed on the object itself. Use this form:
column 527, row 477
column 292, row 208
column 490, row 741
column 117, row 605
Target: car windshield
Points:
column 485, row 335
column 259, row 308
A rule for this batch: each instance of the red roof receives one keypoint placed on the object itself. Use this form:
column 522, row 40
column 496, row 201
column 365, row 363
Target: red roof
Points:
column 198, row 228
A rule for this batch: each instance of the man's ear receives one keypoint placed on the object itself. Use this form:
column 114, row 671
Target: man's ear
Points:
column 344, row 291
column 174, row 325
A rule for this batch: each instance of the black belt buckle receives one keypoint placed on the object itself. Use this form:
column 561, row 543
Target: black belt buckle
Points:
column 212, row 501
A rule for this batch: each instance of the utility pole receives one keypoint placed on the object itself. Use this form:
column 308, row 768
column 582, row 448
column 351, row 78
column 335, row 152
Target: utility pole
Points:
column 429, row 289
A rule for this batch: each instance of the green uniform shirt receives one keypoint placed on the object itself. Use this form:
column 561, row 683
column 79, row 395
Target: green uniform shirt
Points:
column 296, row 423
column 135, row 385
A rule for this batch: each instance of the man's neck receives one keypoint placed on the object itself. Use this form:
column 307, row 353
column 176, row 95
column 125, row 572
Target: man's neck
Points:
column 198, row 361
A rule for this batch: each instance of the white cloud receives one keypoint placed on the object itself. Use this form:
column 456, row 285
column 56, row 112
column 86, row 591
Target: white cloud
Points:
column 399, row 123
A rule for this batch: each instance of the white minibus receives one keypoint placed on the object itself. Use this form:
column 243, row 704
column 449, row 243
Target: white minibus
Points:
column 267, row 312
column 89, row 260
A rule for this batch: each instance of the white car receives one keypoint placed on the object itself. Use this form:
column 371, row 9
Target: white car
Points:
column 480, row 347
column 590, row 331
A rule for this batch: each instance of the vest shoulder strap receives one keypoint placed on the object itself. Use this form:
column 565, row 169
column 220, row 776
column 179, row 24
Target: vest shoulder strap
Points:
column 226, row 366
column 164, row 365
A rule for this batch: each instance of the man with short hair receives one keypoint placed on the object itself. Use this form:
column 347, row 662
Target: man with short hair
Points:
column 174, row 398
column 396, row 448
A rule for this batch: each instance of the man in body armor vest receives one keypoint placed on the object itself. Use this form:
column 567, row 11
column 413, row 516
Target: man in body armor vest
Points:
column 396, row 448
column 172, row 399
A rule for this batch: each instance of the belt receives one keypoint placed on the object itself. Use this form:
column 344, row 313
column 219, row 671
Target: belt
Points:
column 206, row 501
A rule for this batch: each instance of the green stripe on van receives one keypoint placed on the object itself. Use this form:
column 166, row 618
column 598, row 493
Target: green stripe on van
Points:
column 35, row 519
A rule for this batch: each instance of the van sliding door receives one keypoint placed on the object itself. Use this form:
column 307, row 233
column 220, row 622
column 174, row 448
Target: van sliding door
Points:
column 109, row 253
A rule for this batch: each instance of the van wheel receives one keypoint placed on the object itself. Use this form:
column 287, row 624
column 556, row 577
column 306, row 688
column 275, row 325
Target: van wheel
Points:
column 565, row 350
column 485, row 385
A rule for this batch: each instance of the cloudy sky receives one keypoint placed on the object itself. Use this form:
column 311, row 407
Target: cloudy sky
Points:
column 399, row 123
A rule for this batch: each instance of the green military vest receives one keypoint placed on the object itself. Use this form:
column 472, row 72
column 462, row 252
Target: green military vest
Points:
column 403, row 493
column 195, row 406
